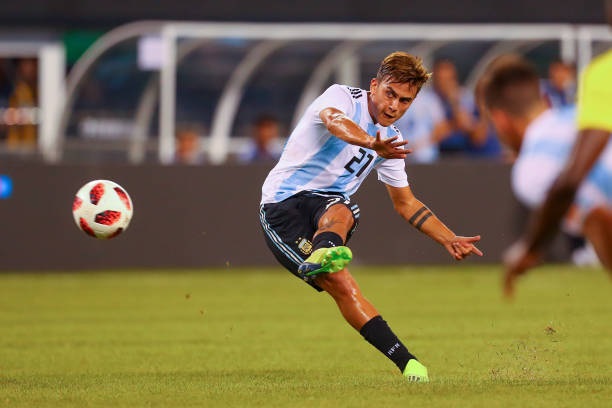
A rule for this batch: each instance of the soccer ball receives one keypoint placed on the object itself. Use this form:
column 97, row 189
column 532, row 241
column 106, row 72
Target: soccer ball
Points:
column 102, row 209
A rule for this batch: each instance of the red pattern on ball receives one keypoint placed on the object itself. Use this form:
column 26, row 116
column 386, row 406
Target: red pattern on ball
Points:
column 107, row 217
column 114, row 234
column 76, row 204
column 124, row 197
column 86, row 228
column 96, row 193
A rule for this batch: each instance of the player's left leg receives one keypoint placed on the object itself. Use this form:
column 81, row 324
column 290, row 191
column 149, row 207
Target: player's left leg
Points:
column 598, row 229
column 325, row 267
column 343, row 288
column 364, row 318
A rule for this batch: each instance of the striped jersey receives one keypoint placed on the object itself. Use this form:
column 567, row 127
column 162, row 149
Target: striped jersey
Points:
column 546, row 147
column 315, row 160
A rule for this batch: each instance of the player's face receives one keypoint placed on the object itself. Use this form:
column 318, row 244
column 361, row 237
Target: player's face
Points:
column 389, row 100
column 506, row 130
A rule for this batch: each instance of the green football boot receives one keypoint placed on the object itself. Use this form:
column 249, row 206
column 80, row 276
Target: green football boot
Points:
column 326, row 260
column 416, row 372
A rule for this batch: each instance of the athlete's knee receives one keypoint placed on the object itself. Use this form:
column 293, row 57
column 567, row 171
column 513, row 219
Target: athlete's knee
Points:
column 338, row 215
column 340, row 285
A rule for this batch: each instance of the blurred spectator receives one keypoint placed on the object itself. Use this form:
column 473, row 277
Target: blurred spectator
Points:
column 445, row 121
column 265, row 144
column 188, row 146
column 417, row 126
column 22, row 132
column 484, row 141
column 559, row 88
column 452, row 130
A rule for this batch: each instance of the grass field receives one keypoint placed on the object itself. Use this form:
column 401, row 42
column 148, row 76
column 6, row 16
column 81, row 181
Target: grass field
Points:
column 261, row 338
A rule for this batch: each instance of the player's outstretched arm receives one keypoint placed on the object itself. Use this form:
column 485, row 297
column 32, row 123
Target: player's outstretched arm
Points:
column 344, row 128
column 421, row 217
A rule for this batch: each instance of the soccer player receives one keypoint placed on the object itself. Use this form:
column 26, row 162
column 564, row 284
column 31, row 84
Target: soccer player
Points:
column 563, row 161
column 306, row 212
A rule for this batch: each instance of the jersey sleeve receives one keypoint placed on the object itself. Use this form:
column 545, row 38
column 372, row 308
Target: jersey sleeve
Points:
column 392, row 172
column 595, row 95
column 336, row 96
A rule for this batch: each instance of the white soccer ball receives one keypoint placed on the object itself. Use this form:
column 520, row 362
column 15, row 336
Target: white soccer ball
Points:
column 102, row 209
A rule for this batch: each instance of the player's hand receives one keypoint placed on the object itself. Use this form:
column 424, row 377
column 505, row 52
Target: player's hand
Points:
column 389, row 148
column 462, row 247
column 517, row 260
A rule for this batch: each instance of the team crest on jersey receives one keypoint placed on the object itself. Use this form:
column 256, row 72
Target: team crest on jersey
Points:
column 355, row 92
column 304, row 245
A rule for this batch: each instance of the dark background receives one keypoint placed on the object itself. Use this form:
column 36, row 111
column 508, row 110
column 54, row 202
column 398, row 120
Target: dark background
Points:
column 207, row 216
column 64, row 14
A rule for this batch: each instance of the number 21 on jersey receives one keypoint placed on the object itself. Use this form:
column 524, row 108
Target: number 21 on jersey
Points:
column 359, row 163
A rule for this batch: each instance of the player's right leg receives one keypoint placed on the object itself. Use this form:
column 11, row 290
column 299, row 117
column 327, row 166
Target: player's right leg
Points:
column 326, row 260
column 300, row 234
column 598, row 229
column 335, row 222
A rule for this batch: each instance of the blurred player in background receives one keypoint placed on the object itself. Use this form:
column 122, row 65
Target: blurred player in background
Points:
column 540, row 145
column 559, row 167
column 306, row 212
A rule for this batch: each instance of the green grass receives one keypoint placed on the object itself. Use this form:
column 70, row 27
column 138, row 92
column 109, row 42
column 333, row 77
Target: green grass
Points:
column 261, row 338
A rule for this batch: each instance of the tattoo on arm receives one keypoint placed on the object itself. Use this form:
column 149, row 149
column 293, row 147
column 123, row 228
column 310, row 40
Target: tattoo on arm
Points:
column 416, row 215
column 418, row 222
column 423, row 219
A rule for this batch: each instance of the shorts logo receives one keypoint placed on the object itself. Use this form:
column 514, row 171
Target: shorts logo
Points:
column 304, row 245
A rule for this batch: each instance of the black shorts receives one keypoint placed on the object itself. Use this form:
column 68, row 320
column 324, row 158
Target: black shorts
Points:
column 289, row 226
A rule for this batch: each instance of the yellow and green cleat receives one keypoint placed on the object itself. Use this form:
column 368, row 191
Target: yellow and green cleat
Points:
column 326, row 260
column 416, row 372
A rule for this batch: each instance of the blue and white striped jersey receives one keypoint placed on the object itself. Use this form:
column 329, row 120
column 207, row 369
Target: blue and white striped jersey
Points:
column 546, row 147
column 315, row 160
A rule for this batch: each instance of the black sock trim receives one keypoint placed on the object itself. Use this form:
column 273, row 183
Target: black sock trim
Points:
column 365, row 330
column 326, row 239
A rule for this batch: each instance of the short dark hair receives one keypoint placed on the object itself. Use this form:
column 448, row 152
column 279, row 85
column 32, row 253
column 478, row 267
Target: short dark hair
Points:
column 403, row 68
column 512, row 84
